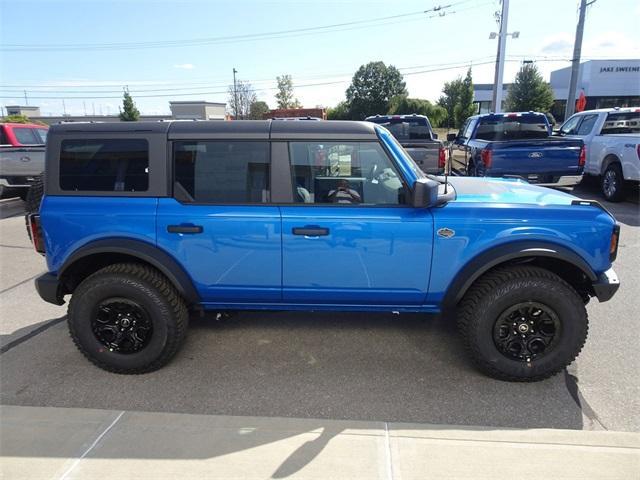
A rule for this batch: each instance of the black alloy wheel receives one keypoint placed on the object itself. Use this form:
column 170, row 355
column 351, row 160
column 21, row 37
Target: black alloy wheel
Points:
column 122, row 325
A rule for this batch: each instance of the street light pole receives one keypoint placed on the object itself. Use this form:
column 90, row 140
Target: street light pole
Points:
column 235, row 95
column 502, row 43
column 575, row 61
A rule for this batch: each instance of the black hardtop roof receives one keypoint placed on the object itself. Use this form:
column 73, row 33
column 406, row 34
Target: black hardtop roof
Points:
column 243, row 128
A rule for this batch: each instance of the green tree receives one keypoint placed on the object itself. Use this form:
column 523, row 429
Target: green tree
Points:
column 403, row 105
column 465, row 107
column 258, row 110
column 20, row 119
column 285, row 97
column 128, row 112
column 529, row 91
column 372, row 86
column 339, row 112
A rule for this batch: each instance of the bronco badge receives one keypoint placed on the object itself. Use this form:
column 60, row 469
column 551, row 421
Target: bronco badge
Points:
column 446, row 232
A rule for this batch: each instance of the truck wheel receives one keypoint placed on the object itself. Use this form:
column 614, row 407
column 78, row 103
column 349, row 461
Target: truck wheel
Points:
column 522, row 324
column 127, row 318
column 33, row 196
column 613, row 183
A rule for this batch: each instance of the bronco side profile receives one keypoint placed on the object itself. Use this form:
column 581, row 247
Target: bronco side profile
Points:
column 143, row 222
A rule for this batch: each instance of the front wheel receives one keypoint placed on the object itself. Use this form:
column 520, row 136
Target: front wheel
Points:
column 522, row 323
column 127, row 318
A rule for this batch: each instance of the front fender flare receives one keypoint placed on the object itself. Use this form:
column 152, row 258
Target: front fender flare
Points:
column 488, row 259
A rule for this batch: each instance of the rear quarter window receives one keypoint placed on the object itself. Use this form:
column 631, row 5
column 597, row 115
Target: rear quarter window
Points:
column 622, row 122
column 104, row 165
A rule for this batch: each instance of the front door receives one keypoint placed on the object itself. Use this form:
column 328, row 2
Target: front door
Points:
column 350, row 238
column 219, row 225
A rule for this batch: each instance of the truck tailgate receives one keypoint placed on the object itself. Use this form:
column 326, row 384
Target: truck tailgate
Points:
column 21, row 161
column 425, row 155
column 528, row 158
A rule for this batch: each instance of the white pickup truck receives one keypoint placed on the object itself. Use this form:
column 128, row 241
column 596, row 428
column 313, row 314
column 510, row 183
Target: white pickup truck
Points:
column 612, row 139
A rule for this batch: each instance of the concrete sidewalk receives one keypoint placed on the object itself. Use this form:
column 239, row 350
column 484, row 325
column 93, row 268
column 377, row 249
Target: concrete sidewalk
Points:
column 68, row 443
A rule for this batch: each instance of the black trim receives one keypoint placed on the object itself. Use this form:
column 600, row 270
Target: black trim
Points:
column 145, row 252
column 310, row 231
column 606, row 286
column 504, row 253
column 48, row 287
column 184, row 228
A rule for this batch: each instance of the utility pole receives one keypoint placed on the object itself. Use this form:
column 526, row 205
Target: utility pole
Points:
column 575, row 60
column 502, row 43
column 235, row 95
column 26, row 100
column 64, row 108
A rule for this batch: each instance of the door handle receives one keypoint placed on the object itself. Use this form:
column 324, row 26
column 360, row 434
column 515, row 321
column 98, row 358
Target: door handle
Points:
column 310, row 231
column 184, row 229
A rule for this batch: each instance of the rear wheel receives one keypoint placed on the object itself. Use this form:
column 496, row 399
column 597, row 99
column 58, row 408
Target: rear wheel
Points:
column 613, row 183
column 522, row 323
column 127, row 318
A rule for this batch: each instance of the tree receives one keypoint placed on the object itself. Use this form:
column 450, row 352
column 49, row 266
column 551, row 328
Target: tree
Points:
column 372, row 86
column 129, row 112
column 465, row 107
column 457, row 101
column 339, row 112
column 21, row 119
column 285, row 96
column 246, row 96
column 403, row 105
column 258, row 110
column 529, row 91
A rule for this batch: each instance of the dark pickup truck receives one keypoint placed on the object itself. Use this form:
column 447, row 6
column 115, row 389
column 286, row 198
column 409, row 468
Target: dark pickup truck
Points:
column 516, row 145
column 415, row 134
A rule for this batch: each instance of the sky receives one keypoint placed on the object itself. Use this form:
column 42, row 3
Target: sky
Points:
column 76, row 56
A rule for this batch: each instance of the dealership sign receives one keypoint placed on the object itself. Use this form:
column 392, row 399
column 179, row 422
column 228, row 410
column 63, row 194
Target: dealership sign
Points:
column 619, row 69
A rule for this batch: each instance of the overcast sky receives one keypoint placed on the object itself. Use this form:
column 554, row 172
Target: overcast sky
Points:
column 182, row 50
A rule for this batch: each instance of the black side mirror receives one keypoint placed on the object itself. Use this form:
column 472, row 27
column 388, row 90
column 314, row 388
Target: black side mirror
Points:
column 425, row 193
column 451, row 137
column 435, row 136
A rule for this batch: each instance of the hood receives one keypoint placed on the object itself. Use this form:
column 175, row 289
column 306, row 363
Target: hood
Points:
column 501, row 190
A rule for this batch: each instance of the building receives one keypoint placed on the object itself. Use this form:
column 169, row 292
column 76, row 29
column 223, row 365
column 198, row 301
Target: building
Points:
column 188, row 110
column 198, row 110
column 605, row 83
column 27, row 110
column 319, row 112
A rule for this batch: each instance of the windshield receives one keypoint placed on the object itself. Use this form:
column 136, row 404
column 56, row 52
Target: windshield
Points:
column 512, row 128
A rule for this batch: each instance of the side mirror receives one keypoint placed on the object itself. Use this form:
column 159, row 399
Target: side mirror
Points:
column 435, row 136
column 425, row 193
column 451, row 137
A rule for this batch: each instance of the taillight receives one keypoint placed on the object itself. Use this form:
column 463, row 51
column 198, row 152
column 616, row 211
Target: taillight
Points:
column 485, row 156
column 442, row 157
column 613, row 245
column 36, row 232
column 583, row 156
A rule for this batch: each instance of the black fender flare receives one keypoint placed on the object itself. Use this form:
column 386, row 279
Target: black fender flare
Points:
column 141, row 250
column 497, row 255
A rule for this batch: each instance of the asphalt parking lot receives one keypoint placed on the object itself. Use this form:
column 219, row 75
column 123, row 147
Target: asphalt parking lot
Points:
column 374, row 367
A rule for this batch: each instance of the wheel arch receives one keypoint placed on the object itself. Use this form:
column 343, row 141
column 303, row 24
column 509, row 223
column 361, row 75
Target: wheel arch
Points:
column 100, row 253
column 560, row 260
column 608, row 160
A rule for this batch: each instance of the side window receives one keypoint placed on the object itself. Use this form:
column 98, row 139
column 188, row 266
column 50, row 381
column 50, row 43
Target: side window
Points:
column 570, row 127
column 350, row 173
column 42, row 132
column 587, row 124
column 3, row 137
column 26, row 136
column 222, row 172
column 104, row 165
column 463, row 130
column 468, row 129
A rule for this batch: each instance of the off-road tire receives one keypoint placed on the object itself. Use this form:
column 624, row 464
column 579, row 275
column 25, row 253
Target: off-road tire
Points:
column 33, row 196
column 495, row 292
column 147, row 287
column 617, row 195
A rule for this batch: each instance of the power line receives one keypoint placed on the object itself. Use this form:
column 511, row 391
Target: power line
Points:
column 433, row 12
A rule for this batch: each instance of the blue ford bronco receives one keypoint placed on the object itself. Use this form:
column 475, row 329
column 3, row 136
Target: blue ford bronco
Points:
column 143, row 222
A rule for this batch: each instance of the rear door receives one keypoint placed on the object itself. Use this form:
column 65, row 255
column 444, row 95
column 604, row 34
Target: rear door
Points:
column 220, row 224
column 350, row 238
